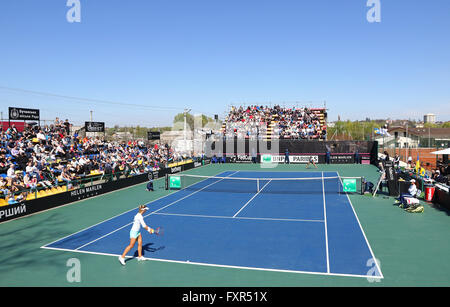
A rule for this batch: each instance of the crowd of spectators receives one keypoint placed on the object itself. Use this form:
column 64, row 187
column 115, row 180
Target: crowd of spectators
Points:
column 247, row 122
column 49, row 156
column 439, row 174
column 288, row 123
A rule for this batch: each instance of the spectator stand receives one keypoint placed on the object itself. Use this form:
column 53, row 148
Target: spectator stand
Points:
column 278, row 122
column 40, row 161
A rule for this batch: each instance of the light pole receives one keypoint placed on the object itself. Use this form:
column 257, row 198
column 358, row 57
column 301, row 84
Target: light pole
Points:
column 407, row 144
column 186, row 111
column 95, row 134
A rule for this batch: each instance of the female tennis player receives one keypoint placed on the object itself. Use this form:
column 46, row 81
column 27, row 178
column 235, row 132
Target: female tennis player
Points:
column 138, row 222
column 311, row 161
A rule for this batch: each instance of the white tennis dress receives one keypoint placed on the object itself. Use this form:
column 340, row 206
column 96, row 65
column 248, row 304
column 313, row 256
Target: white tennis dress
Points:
column 138, row 222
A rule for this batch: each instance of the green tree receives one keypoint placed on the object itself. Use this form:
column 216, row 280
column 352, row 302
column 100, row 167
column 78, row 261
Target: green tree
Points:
column 431, row 125
column 190, row 121
column 356, row 130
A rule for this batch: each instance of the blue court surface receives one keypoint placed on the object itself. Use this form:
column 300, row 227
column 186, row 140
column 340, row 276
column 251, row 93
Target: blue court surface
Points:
column 299, row 226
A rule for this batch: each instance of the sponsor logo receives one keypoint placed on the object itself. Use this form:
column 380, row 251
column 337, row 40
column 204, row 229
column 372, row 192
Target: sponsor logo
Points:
column 175, row 169
column 13, row 211
column 292, row 159
column 86, row 190
column 303, row 159
column 266, row 158
column 341, row 159
column 197, row 164
column 277, row 159
column 153, row 175
column 14, row 114
column 243, row 158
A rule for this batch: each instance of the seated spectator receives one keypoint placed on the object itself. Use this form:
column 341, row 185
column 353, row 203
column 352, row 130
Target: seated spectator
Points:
column 11, row 172
column 439, row 178
column 412, row 192
column 17, row 189
column 65, row 176
column 214, row 159
column 4, row 187
column 30, row 182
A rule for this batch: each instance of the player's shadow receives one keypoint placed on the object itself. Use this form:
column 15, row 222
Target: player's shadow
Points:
column 147, row 248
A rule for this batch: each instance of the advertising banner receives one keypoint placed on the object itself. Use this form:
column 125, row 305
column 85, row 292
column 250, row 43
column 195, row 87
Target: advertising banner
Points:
column 292, row 159
column 94, row 126
column 23, row 114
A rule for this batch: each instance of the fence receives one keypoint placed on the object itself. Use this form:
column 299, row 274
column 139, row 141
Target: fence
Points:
column 427, row 159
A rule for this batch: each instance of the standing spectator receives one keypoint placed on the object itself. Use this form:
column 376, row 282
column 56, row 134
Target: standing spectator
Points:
column 396, row 161
column 286, row 157
column 254, row 155
column 67, row 126
column 357, row 157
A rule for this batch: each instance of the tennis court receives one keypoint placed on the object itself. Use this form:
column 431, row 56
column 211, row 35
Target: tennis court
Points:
column 285, row 221
column 285, row 235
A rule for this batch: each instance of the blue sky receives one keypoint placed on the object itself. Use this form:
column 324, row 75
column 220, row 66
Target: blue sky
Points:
column 208, row 54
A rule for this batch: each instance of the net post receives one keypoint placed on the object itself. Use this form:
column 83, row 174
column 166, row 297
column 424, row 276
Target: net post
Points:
column 257, row 185
column 362, row 185
column 339, row 181
column 166, row 181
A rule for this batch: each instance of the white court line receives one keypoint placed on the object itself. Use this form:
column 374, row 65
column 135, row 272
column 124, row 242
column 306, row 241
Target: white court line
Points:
column 362, row 230
column 252, row 198
column 219, row 265
column 236, row 267
column 239, row 217
column 123, row 213
column 326, row 226
column 172, row 203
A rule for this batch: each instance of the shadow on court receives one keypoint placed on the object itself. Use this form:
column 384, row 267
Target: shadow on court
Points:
column 146, row 248
column 21, row 241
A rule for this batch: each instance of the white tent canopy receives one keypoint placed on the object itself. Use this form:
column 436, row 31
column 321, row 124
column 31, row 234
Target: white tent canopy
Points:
column 442, row 152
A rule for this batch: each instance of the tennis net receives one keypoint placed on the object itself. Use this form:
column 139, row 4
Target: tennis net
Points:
column 308, row 185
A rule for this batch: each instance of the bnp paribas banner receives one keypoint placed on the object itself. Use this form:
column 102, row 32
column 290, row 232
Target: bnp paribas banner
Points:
column 292, row 159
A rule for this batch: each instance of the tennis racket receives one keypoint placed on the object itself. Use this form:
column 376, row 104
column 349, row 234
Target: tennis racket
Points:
column 159, row 231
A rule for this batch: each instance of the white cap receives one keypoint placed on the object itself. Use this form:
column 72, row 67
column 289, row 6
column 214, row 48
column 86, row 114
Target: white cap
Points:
column 143, row 207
